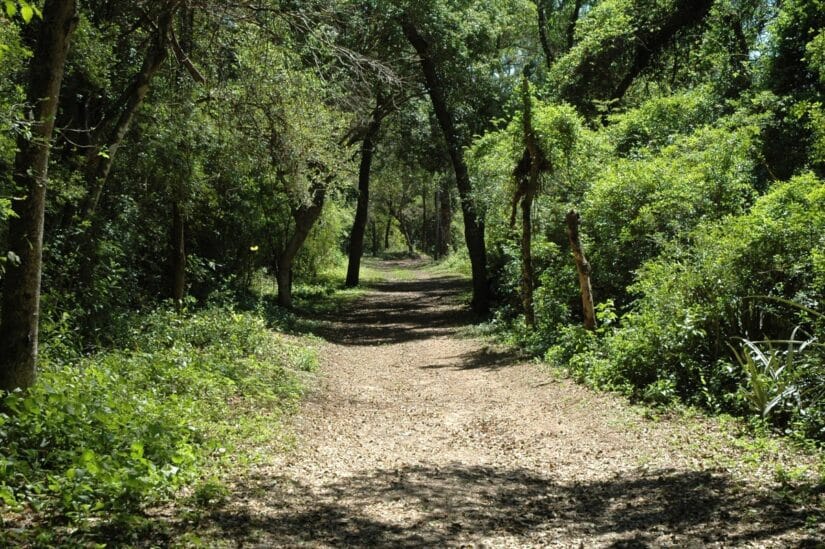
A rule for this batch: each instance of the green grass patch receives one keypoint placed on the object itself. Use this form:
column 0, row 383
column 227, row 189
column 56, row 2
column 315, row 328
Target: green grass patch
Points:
column 101, row 437
column 456, row 264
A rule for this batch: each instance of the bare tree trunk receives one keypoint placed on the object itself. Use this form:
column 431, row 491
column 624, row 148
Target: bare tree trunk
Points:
column 359, row 225
column 178, row 255
column 527, row 274
column 305, row 217
column 583, row 268
column 21, row 291
column 406, row 231
column 473, row 225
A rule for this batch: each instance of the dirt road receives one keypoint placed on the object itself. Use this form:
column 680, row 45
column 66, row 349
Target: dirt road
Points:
column 418, row 437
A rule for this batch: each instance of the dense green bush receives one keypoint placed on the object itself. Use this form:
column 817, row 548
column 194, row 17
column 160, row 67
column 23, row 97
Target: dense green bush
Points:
column 723, row 283
column 638, row 204
column 117, row 429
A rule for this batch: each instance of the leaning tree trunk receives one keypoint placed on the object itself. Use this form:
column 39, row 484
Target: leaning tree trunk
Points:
column 359, row 225
column 583, row 268
column 105, row 143
column 305, row 217
column 21, row 292
column 108, row 139
column 473, row 225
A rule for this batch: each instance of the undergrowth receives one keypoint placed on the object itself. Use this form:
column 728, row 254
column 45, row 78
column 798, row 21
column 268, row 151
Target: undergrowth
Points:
column 103, row 436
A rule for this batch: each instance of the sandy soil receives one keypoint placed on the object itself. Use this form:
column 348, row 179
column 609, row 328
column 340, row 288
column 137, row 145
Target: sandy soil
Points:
column 418, row 437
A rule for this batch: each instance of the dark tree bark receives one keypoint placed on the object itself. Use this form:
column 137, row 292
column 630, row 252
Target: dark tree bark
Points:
column 359, row 225
column 653, row 40
column 473, row 225
column 21, row 290
column 387, row 230
column 527, row 274
column 583, row 268
column 374, row 234
column 571, row 24
column 444, row 218
column 606, row 73
column 425, row 241
column 541, row 8
column 178, row 255
column 305, row 217
column 406, row 230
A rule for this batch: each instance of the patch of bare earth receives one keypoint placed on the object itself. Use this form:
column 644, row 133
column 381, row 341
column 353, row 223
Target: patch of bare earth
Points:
column 416, row 437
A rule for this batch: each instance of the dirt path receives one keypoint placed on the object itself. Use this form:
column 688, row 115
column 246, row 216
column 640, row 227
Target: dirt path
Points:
column 417, row 437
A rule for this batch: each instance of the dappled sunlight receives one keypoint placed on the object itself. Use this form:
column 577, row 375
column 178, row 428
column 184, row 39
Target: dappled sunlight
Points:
column 437, row 505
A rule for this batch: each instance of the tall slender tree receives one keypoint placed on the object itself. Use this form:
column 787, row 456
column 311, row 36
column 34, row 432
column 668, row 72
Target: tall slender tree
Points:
column 21, row 291
column 473, row 222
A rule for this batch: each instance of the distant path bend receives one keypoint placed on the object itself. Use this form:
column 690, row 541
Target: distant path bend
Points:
column 417, row 437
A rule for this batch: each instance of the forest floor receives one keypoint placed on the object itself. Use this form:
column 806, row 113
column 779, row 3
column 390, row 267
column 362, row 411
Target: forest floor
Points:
column 418, row 435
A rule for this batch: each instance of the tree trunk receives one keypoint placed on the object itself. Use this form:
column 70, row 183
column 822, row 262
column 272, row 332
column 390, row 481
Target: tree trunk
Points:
column 305, row 217
column 571, row 24
column 424, row 221
column 527, row 274
column 445, row 220
column 359, row 225
column 541, row 10
column 178, row 255
column 21, row 291
column 406, row 231
column 533, row 162
column 473, row 225
column 374, row 234
column 583, row 268
column 107, row 141
column 387, row 231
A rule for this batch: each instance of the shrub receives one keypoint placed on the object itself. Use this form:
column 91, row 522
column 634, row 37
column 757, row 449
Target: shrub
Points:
column 118, row 429
column 698, row 295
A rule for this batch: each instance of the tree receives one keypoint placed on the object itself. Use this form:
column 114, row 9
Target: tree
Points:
column 359, row 224
column 21, row 291
column 473, row 223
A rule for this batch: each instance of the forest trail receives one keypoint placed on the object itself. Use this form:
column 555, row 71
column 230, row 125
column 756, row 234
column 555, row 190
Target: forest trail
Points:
column 419, row 437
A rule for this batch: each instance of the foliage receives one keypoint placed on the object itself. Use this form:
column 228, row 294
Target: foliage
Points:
column 111, row 431
column 694, row 297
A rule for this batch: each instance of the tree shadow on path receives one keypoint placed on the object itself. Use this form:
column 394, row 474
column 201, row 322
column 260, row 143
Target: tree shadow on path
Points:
column 430, row 506
column 397, row 312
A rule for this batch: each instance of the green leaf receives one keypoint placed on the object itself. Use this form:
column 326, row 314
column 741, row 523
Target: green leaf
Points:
column 11, row 8
column 26, row 12
column 7, row 496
